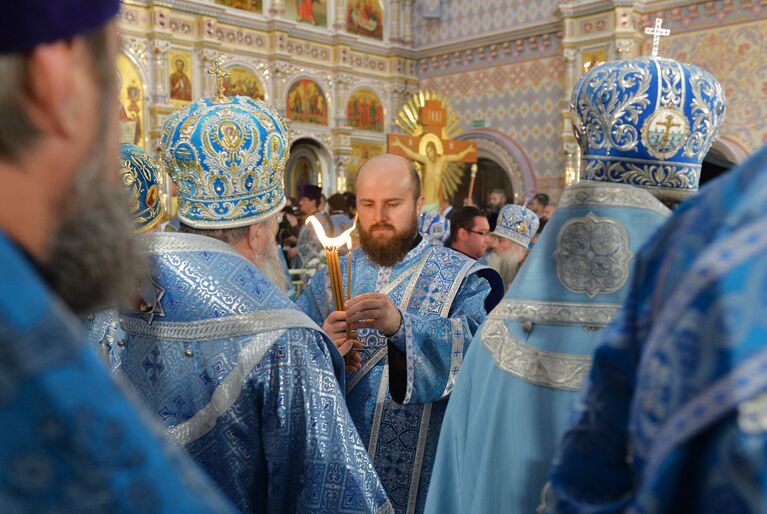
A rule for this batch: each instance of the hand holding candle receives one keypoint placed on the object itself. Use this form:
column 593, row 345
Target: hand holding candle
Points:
column 331, row 245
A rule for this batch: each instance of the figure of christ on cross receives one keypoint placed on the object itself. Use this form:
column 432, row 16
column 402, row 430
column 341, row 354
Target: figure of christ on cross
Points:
column 433, row 152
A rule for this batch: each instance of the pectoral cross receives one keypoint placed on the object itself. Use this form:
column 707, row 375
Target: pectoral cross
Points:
column 657, row 32
column 219, row 74
column 668, row 125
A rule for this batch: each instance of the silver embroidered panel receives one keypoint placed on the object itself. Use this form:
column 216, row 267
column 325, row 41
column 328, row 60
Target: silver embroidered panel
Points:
column 593, row 255
column 550, row 369
column 557, row 313
column 591, row 194
column 173, row 242
column 218, row 328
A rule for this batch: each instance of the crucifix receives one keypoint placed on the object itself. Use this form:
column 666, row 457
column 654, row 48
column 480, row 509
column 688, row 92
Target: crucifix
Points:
column 219, row 74
column 657, row 32
column 668, row 125
column 432, row 150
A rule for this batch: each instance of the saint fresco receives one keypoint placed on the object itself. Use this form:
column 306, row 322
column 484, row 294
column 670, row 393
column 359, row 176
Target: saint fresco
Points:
column 365, row 17
column 364, row 111
column 308, row 11
column 131, row 98
column 306, row 103
column 243, row 82
column 245, row 5
column 180, row 83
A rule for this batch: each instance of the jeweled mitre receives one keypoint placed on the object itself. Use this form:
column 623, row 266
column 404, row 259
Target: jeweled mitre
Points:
column 517, row 223
column 227, row 156
column 140, row 175
column 648, row 122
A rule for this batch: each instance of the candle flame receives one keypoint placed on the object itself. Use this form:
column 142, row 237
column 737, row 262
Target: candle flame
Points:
column 332, row 243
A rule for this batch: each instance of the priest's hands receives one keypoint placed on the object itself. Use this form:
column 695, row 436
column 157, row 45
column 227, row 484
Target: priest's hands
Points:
column 335, row 327
column 373, row 310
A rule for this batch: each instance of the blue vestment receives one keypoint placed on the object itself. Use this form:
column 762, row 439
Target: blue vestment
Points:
column 341, row 221
column 245, row 382
column 105, row 335
column 71, row 440
column 516, row 386
column 674, row 415
column 398, row 398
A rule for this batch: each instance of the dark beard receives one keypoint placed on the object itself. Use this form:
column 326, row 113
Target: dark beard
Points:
column 95, row 261
column 388, row 252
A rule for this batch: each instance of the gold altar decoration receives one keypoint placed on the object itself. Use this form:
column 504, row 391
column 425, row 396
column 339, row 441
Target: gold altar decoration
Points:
column 430, row 128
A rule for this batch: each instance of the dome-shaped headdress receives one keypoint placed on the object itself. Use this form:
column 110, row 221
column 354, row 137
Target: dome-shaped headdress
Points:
column 647, row 122
column 227, row 156
column 140, row 175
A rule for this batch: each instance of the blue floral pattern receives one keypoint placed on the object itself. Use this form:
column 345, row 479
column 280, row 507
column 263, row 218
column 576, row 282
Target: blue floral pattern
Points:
column 398, row 398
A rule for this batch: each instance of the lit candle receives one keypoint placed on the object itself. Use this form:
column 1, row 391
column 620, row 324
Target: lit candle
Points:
column 331, row 245
column 349, row 275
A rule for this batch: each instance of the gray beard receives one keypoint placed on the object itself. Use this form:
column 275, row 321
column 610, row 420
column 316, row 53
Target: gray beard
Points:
column 95, row 260
column 271, row 266
column 507, row 265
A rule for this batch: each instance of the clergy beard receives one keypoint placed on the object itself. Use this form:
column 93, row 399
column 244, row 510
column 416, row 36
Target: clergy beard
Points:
column 507, row 265
column 95, row 260
column 388, row 251
column 270, row 265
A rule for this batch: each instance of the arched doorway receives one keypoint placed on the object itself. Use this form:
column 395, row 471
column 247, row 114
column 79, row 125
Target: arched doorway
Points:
column 304, row 167
column 490, row 175
column 497, row 147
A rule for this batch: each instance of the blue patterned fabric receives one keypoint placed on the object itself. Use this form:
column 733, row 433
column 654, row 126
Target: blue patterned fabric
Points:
column 227, row 156
column 434, row 227
column 140, row 176
column 518, row 381
column 398, row 398
column 674, row 415
column 245, row 383
column 517, row 223
column 648, row 122
column 71, row 440
column 105, row 335
column 341, row 222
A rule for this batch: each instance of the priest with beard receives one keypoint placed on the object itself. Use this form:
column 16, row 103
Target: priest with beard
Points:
column 241, row 378
column 72, row 440
column 414, row 307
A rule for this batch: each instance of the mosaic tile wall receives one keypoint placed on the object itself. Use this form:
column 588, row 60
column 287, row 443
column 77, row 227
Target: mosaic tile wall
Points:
column 461, row 19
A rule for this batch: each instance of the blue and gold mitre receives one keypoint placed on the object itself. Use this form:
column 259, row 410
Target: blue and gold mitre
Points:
column 434, row 227
column 140, row 175
column 227, row 156
column 647, row 122
column 517, row 223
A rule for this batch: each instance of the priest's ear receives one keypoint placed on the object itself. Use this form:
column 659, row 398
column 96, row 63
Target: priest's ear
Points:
column 260, row 234
column 419, row 204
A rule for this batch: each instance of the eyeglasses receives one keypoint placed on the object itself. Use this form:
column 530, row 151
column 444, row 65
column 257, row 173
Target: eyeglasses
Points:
column 482, row 233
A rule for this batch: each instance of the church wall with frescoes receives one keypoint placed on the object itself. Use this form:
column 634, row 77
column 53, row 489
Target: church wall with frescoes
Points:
column 317, row 62
column 507, row 67
column 340, row 70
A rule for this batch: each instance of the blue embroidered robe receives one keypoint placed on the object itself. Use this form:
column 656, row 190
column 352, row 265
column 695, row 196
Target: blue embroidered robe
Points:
column 398, row 398
column 70, row 440
column 674, row 418
column 105, row 335
column 244, row 381
column 517, row 384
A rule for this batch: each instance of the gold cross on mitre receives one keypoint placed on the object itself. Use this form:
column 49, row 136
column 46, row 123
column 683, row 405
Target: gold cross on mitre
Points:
column 657, row 32
column 219, row 74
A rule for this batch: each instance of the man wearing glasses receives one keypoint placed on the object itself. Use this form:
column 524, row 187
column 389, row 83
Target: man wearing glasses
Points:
column 468, row 232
